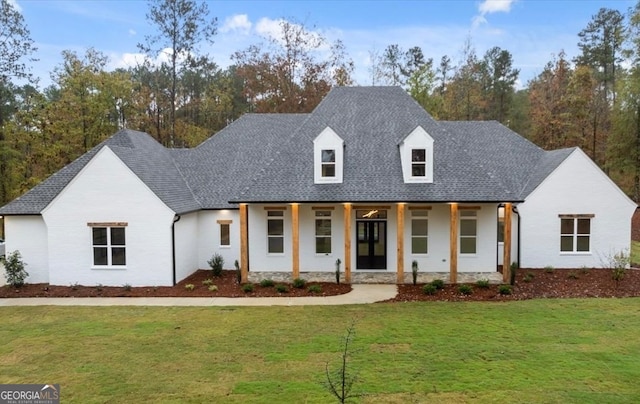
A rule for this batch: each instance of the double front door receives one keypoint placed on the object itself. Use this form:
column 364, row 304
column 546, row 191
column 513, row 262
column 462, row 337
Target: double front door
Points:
column 372, row 244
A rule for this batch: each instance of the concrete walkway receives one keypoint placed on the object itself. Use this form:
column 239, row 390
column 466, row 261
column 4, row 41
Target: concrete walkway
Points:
column 361, row 294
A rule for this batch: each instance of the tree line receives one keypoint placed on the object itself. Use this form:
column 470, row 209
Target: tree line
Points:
column 592, row 101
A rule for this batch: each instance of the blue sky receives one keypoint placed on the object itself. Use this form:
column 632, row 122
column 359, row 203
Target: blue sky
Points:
column 532, row 30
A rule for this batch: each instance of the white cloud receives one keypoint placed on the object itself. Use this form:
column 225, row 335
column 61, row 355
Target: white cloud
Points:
column 268, row 28
column 15, row 5
column 238, row 22
column 495, row 6
column 132, row 32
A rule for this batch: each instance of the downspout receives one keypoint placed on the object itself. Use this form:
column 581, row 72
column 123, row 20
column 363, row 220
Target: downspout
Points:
column 176, row 219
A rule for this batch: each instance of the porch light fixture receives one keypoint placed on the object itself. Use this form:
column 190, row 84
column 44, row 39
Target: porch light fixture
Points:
column 370, row 213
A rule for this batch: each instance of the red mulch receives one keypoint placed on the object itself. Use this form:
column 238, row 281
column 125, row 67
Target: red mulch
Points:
column 226, row 283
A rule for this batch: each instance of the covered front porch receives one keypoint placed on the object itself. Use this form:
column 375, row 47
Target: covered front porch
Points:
column 377, row 243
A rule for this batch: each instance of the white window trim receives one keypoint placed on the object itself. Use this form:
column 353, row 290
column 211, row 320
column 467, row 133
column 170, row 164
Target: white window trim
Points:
column 412, row 236
column 330, row 236
column 108, row 246
column 575, row 234
column 269, row 236
column 460, row 236
column 328, row 140
column 418, row 139
column 228, row 231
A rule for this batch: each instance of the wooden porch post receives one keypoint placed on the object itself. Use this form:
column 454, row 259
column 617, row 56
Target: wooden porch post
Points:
column 347, row 242
column 244, row 244
column 400, row 243
column 295, row 236
column 506, row 258
column 453, row 244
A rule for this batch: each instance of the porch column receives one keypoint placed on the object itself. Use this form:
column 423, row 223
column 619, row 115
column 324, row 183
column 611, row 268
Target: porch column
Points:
column 453, row 244
column 506, row 258
column 295, row 240
column 244, row 244
column 347, row 242
column 400, row 243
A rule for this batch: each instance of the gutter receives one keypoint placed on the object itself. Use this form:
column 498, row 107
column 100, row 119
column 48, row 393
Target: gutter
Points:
column 176, row 219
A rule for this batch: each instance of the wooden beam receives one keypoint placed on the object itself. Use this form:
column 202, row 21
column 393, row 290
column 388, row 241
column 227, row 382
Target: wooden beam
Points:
column 453, row 244
column 400, row 243
column 347, row 242
column 295, row 240
column 244, row 244
column 506, row 258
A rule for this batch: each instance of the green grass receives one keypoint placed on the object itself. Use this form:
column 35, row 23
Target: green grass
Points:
column 537, row 351
column 635, row 252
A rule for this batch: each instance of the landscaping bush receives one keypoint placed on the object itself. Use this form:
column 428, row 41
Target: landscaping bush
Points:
column 213, row 288
column 280, row 288
column 429, row 289
column 247, row 287
column 338, row 262
column 207, row 282
column 572, row 275
column 238, row 272
column 299, row 283
column 14, row 269
column 315, row 289
column 189, row 286
column 414, row 272
column 267, row 283
column 483, row 283
column 126, row 287
column 465, row 289
column 216, row 262
column 548, row 269
column 528, row 277
column 513, row 270
column 504, row 289
column 438, row 283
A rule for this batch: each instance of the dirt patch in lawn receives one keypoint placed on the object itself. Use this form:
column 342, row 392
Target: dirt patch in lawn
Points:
column 529, row 284
column 226, row 284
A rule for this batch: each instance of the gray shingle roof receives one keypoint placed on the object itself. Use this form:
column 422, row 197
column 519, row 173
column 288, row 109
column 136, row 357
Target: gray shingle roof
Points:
column 269, row 158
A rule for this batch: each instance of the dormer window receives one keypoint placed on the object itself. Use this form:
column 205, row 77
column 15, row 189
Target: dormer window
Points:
column 328, row 163
column 418, row 162
column 328, row 156
column 416, row 153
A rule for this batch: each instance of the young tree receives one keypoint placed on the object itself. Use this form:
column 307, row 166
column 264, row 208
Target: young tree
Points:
column 182, row 25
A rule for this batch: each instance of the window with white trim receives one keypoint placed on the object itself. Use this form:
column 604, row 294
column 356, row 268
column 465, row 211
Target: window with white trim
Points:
column 225, row 234
column 109, row 246
column 468, row 231
column 328, row 157
column 575, row 233
column 323, row 232
column 419, row 231
column 418, row 162
column 275, row 231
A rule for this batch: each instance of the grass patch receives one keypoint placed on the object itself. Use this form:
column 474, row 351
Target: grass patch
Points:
column 576, row 350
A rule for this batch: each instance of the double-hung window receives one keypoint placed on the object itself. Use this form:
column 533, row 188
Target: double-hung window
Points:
column 468, row 231
column 275, row 231
column 109, row 246
column 575, row 233
column 328, row 163
column 419, row 231
column 418, row 162
column 323, row 232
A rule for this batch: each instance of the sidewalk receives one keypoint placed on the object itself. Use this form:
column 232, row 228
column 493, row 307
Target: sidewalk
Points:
column 361, row 294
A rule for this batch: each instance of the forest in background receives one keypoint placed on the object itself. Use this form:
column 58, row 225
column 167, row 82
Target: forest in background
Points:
column 591, row 101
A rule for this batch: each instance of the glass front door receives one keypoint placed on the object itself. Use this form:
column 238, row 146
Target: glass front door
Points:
column 372, row 244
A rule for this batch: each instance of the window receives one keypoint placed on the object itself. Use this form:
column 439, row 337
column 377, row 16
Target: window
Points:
column 575, row 234
column 275, row 232
column 419, row 231
column 328, row 163
column 225, row 239
column 109, row 247
column 468, row 231
column 418, row 162
column 323, row 232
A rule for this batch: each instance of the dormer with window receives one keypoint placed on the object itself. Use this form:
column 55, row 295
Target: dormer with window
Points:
column 416, row 153
column 328, row 156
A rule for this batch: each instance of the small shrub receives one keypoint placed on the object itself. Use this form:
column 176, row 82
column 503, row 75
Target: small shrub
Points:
column 238, row 272
column 280, row 288
column 429, row 289
column 74, row 286
column 99, row 287
column 207, row 282
column 619, row 263
column 548, row 269
column 127, row 287
column 212, row 288
column 14, row 269
column 267, row 283
column 216, row 262
column 504, row 289
column 572, row 275
column 338, row 262
column 513, row 271
column 189, row 286
column 465, row 289
column 528, row 277
column 247, row 287
column 414, row 271
column 299, row 283
column 584, row 269
column 315, row 289
column 438, row 283
column 483, row 283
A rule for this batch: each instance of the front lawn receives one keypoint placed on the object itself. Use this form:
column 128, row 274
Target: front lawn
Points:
column 536, row 351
